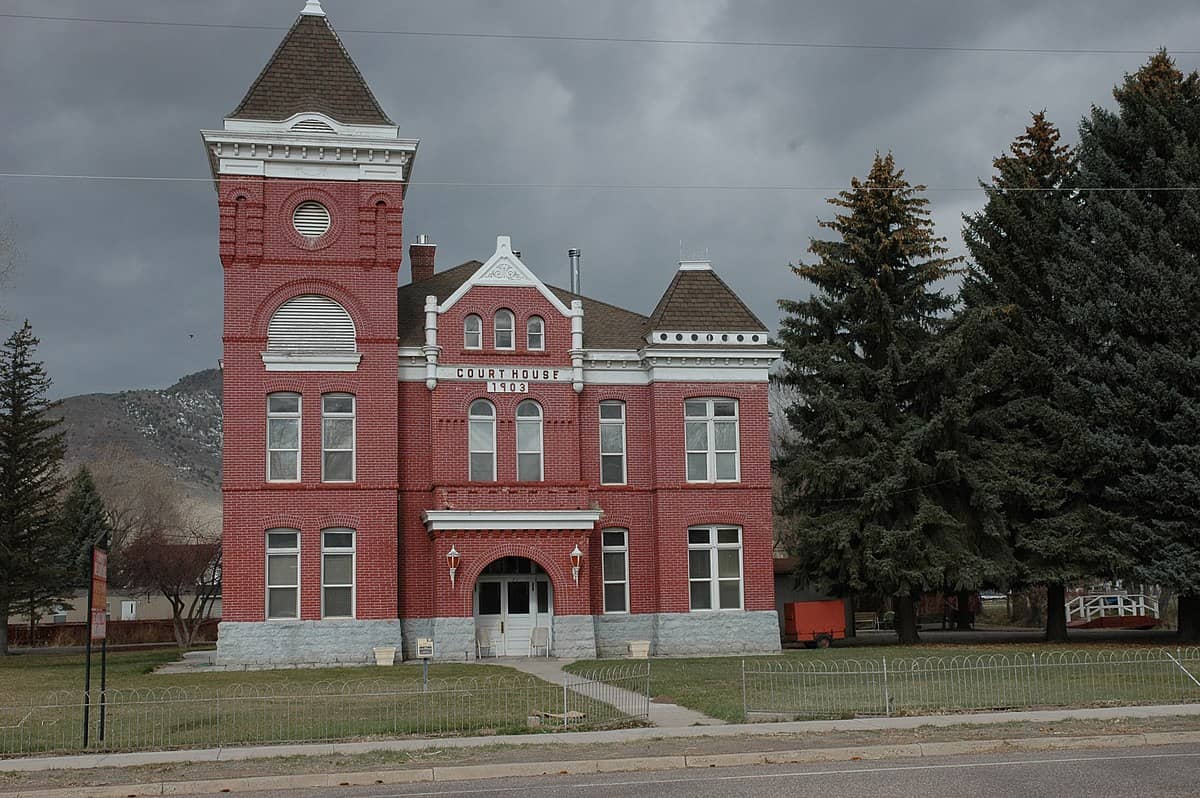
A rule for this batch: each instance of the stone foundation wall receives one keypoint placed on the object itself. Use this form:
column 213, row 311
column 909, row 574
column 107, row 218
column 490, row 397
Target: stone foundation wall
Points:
column 574, row 637
column 350, row 642
column 687, row 633
column 327, row 642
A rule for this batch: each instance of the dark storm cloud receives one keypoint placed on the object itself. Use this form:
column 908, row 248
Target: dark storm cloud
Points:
column 118, row 277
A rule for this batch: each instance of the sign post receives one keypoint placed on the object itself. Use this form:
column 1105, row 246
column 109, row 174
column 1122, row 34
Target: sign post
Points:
column 97, row 631
column 425, row 653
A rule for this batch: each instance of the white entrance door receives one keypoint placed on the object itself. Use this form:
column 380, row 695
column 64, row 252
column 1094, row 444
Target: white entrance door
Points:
column 509, row 607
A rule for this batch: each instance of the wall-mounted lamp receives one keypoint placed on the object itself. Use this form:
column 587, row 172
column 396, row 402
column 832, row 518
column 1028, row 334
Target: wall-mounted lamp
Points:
column 452, row 559
column 576, row 561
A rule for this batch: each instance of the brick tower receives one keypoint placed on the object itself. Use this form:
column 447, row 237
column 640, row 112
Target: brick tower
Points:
column 310, row 176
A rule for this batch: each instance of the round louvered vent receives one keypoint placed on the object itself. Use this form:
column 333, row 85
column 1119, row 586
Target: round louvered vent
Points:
column 311, row 219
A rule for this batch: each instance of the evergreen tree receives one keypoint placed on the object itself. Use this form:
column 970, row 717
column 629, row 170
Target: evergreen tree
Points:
column 1130, row 277
column 32, row 446
column 1015, row 435
column 83, row 523
column 860, row 478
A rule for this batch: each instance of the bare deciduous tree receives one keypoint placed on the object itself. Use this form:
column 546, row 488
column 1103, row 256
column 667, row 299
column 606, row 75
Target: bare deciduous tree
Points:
column 163, row 543
column 186, row 572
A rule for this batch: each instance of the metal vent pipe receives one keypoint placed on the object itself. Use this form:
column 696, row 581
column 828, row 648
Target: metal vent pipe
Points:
column 574, row 254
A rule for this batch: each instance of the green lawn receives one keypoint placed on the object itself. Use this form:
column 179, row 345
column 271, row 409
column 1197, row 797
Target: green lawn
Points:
column 41, row 705
column 926, row 679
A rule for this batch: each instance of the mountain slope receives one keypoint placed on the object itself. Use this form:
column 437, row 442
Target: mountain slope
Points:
column 179, row 426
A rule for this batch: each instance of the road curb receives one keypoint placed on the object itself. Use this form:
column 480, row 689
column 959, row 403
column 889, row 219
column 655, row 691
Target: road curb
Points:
column 452, row 773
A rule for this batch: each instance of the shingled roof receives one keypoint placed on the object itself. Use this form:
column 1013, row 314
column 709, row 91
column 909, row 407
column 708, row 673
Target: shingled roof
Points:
column 605, row 326
column 311, row 71
column 697, row 299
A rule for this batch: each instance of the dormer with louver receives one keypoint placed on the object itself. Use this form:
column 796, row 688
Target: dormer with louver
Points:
column 311, row 333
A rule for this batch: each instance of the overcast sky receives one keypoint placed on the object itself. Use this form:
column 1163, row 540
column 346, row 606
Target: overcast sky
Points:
column 121, row 280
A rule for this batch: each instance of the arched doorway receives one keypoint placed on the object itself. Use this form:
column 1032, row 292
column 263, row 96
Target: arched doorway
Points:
column 513, row 596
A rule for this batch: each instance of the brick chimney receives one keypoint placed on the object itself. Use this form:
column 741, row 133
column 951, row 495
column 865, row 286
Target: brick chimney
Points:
column 421, row 257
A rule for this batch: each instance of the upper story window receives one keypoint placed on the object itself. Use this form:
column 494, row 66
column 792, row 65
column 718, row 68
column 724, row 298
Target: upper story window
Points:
column 535, row 334
column 612, row 443
column 311, row 323
column 529, row 441
column 337, row 573
column 504, row 329
column 337, row 437
column 283, row 573
column 283, row 437
column 711, row 438
column 615, row 556
column 715, row 567
column 482, row 445
column 472, row 332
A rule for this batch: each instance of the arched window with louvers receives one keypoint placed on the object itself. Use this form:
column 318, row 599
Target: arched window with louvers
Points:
column 311, row 332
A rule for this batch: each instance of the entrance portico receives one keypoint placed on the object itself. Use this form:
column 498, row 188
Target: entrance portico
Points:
column 514, row 573
column 513, row 597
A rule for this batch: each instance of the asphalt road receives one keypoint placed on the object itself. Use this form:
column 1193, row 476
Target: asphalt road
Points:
column 1160, row 771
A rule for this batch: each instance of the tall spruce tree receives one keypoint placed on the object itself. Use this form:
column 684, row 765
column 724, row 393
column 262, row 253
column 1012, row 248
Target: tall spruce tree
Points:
column 1017, row 454
column 1130, row 276
column 32, row 446
column 83, row 523
column 860, row 474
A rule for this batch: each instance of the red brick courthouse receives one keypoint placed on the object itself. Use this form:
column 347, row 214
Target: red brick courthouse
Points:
column 473, row 457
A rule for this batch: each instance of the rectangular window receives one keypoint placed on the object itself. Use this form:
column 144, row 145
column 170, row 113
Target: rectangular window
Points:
column 715, row 567
column 283, row 573
column 612, row 443
column 711, row 440
column 337, row 573
column 615, row 557
column 283, row 437
column 337, row 437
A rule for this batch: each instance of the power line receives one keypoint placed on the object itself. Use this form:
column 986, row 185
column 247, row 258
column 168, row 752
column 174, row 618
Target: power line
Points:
column 622, row 186
column 550, row 37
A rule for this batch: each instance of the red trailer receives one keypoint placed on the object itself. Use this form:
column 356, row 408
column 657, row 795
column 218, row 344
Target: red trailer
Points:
column 814, row 623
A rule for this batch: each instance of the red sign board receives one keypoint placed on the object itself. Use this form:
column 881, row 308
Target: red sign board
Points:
column 99, row 624
column 99, row 593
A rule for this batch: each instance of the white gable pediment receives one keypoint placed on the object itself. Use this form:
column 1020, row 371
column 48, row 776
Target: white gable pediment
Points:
column 504, row 268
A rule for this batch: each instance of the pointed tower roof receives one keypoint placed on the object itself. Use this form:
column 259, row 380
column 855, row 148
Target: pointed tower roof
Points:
column 311, row 71
column 697, row 299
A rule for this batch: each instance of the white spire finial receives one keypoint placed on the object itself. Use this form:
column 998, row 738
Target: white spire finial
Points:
column 313, row 7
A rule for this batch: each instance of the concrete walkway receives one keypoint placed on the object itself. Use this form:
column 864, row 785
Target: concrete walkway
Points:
column 564, row 740
column 670, row 716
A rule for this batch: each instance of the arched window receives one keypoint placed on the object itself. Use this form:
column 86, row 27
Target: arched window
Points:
column 482, row 445
column 529, row 441
column 472, row 332
column 311, row 323
column 535, row 334
column 504, row 329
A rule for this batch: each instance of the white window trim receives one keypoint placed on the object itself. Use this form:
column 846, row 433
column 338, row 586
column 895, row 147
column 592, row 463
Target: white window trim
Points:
column 604, row 581
column 479, row 332
column 512, row 330
column 541, row 452
column 492, row 420
column 267, row 586
column 353, row 552
column 624, row 440
column 714, row 580
column 353, row 416
column 299, row 417
column 541, row 333
column 711, row 420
